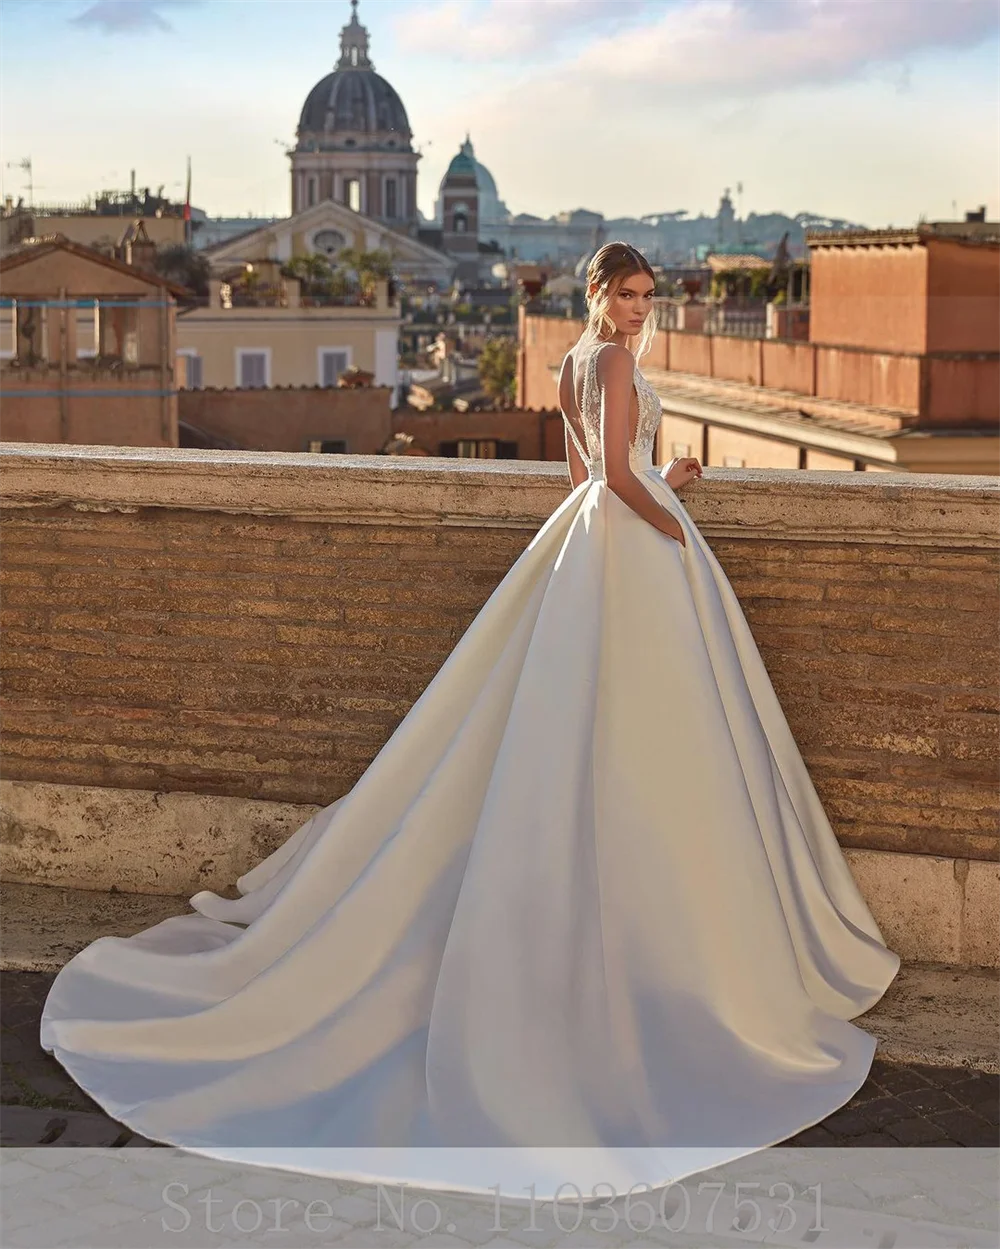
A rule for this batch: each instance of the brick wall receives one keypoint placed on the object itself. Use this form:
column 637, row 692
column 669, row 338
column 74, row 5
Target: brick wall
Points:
column 226, row 655
column 231, row 623
column 885, row 660
column 538, row 434
column 285, row 419
column 88, row 406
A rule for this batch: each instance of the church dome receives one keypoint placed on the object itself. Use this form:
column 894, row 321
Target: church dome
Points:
column 492, row 210
column 353, row 98
column 484, row 179
column 462, row 166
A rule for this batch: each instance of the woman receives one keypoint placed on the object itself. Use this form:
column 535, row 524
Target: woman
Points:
column 583, row 918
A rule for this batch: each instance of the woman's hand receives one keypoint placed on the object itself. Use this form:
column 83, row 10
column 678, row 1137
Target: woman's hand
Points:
column 680, row 471
column 676, row 532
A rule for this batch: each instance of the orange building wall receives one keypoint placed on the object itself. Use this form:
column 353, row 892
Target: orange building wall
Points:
column 538, row 435
column 904, row 324
column 876, row 379
column 787, row 366
column 658, row 356
column 737, row 359
column 128, row 419
column 680, row 435
column 828, row 460
column 963, row 297
column 43, row 276
column 755, row 451
column 873, row 297
column 70, row 400
column 542, row 343
column 108, row 421
column 691, row 353
column 286, row 419
column 966, row 391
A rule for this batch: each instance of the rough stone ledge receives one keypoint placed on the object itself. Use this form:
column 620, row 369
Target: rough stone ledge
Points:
column 140, row 842
column 927, row 509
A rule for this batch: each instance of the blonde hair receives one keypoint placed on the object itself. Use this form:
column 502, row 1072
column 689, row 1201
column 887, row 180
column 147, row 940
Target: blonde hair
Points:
column 609, row 267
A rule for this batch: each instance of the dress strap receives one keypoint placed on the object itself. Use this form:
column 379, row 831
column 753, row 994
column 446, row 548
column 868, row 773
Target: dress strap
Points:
column 581, row 450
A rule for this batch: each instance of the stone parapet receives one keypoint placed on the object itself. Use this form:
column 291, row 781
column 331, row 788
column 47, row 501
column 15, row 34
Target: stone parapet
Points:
column 254, row 625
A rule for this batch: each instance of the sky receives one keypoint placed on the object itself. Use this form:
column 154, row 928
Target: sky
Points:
column 877, row 111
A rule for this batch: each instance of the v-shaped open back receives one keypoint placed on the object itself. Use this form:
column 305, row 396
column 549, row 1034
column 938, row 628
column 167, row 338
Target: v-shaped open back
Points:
column 589, row 446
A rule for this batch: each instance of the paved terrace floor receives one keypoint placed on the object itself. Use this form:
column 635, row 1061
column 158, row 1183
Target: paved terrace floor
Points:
column 945, row 1103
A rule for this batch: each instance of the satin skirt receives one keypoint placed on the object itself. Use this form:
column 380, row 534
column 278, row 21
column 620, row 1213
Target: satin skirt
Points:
column 583, row 918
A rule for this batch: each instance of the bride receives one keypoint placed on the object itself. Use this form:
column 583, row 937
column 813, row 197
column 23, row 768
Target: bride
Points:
column 583, row 919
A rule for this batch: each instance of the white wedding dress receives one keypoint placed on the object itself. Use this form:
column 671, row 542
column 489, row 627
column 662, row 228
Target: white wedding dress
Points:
column 582, row 919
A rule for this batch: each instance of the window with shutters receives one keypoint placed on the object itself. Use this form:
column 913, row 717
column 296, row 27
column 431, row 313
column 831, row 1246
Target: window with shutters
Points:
column 87, row 330
column 252, row 369
column 8, row 335
column 332, row 362
column 193, row 369
column 118, row 330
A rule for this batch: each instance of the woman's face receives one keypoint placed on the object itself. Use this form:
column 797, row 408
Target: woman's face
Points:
column 631, row 303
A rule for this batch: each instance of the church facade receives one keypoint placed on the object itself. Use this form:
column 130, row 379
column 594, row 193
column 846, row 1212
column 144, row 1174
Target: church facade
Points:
column 354, row 144
column 354, row 152
column 354, row 172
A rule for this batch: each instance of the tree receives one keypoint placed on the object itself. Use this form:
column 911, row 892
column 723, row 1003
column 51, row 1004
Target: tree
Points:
column 313, row 271
column 369, row 266
column 498, row 369
column 182, row 264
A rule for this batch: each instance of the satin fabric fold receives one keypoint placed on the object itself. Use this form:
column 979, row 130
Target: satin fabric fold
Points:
column 584, row 899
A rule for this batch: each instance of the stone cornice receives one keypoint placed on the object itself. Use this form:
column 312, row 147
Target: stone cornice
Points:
column 791, row 505
column 360, row 489
column 904, row 509
column 988, row 235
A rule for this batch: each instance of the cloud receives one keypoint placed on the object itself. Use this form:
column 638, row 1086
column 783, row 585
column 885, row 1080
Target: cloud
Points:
column 688, row 96
column 129, row 17
column 730, row 47
column 737, row 47
column 491, row 30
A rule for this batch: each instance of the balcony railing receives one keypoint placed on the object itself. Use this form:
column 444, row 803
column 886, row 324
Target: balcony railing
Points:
column 737, row 316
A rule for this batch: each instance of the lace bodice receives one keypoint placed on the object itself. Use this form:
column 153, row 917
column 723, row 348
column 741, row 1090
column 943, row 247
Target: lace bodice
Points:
column 650, row 412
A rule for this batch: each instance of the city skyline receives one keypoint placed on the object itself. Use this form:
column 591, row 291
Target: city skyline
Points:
column 878, row 111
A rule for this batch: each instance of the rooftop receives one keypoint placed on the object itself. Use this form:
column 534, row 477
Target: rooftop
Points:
column 981, row 233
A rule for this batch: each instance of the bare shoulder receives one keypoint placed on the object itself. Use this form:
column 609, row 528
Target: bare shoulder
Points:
column 614, row 362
